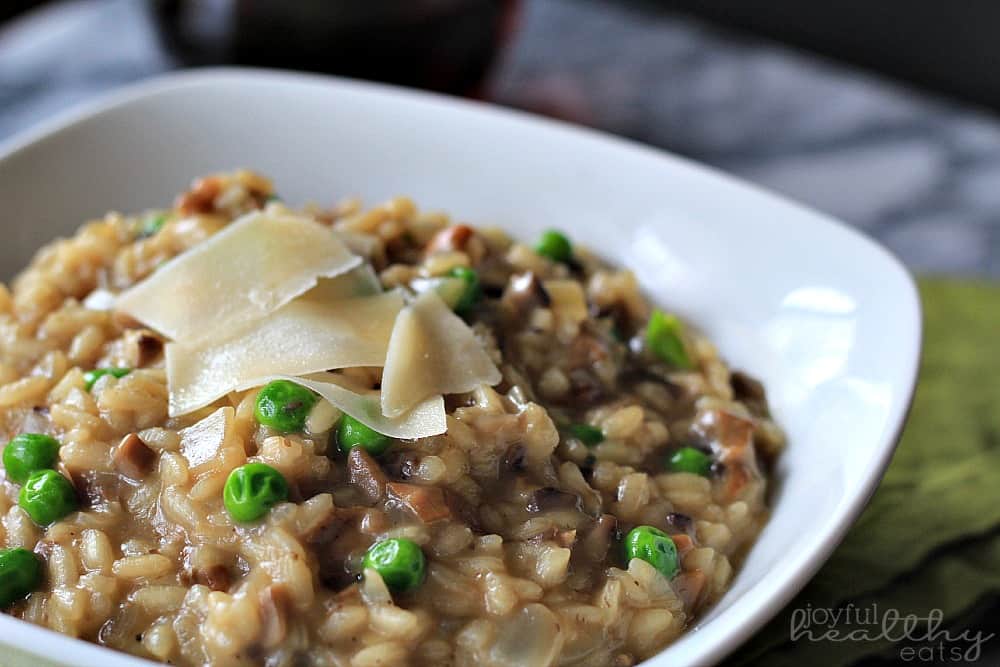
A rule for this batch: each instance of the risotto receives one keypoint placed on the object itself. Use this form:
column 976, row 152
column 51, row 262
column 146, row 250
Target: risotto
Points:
column 241, row 433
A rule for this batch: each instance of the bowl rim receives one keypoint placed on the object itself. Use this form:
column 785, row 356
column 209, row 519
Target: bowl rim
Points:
column 801, row 569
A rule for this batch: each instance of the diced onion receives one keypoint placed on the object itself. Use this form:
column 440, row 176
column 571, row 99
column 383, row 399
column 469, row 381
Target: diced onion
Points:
column 530, row 637
column 100, row 299
column 432, row 352
column 202, row 441
column 245, row 272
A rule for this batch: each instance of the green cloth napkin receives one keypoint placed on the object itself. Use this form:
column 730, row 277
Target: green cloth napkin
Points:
column 929, row 540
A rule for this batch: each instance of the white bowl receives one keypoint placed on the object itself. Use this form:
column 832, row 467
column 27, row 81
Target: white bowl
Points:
column 828, row 319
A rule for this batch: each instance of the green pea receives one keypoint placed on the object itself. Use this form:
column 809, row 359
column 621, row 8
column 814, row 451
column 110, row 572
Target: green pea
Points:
column 27, row 453
column 284, row 406
column 587, row 434
column 664, row 338
column 555, row 246
column 689, row 459
column 252, row 489
column 471, row 292
column 91, row 377
column 351, row 433
column 400, row 563
column 20, row 574
column 653, row 546
column 47, row 496
column 152, row 224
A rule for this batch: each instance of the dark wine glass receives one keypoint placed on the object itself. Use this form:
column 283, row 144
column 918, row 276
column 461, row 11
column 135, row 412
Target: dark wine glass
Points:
column 445, row 45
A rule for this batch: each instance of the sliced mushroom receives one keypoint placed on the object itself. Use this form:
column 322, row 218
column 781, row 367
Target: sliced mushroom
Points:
column 549, row 498
column 680, row 523
column 93, row 488
column 133, row 457
column 594, row 546
column 523, row 294
column 683, row 542
column 750, row 392
column 402, row 465
column 365, row 474
column 514, row 458
column 449, row 239
column 426, row 502
column 731, row 438
column 201, row 197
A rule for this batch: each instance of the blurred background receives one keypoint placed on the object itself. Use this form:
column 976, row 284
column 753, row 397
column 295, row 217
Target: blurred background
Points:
column 881, row 113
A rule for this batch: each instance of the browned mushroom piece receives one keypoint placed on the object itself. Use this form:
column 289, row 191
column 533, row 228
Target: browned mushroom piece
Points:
column 750, row 392
column 524, row 293
column 93, row 488
column 201, row 197
column 683, row 542
column 133, row 457
column 426, row 502
column 680, row 523
column 449, row 239
column 731, row 438
column 365, row 474
column 548, row 498
column 594, row 546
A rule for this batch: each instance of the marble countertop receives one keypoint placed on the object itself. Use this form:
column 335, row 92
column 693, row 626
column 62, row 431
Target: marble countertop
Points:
column 919, row 173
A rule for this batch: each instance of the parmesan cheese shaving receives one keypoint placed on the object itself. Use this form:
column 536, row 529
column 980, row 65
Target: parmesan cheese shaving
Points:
column 308, row 335
column 246, row 271
column 361, row 281
column 427, row 418
column 431, row 352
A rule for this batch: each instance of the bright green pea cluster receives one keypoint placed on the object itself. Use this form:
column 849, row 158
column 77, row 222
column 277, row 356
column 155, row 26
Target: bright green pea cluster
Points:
column 47, row 497
column 27, row 453
column 689, row 459
column 20, row 574
column 555, row 246
column 253, row 489
column 92, row 376
column 587, row 434
column 400, row 563
column 352, row 433
column 653, row 546
column 664, row 337
column 284, row 406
